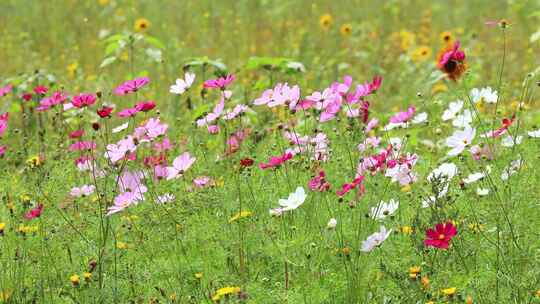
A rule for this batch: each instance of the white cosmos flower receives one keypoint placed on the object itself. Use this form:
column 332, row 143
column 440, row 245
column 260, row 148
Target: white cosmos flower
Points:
column 482, row 191
column 182, row 85
column 120, row 128
column 534, row 133
column 486, row 95
column 459, row 140
column 473, row 177
column 445, row 171
column 420, row 118
column 453, row 109
column 332, row 223
column 511, row 169
column 383, row 209
column 509, row 141
column 463, row 120
column 165, row 198
column 375, row 240
column 294, row 201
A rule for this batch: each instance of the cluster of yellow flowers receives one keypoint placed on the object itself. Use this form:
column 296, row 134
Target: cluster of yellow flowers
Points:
column 225, row 292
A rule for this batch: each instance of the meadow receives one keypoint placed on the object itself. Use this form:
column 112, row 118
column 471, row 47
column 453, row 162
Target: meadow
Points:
column 269, row 151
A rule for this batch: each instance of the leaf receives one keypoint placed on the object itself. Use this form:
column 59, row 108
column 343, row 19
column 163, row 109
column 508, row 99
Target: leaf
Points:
column 107, row 61
column 154, row 42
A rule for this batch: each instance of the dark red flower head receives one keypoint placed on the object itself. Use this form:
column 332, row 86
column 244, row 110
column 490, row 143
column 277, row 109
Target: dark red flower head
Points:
column 104, row 112
column 441, row 236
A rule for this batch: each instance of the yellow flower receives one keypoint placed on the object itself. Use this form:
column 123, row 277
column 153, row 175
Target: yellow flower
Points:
column 406, row 229
column 538, row 293
column 446, row 38
column 406, row 189
column 325, row 21
column 449, row 292
column 407, row 39
column 239, row 215
column 75, row 279
column 476, row 227
column 2, row 227
column 87, row 276
column 421, row 53
column 122, row 245
column 225, row 291
column 425, row 282
column 27, row 229
column 439, row 88
column 72, row 68
column 469, row 300
column 142, row 24
column 414, row 271
column 198, row 275
column 34, row 161
column 103, row 2
column 5, row 295
column 345, row 29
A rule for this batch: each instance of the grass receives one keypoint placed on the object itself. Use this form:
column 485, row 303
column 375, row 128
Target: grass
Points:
column 215, row 239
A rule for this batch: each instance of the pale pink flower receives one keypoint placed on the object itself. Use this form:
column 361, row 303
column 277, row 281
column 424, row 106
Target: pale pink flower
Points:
column 180, row 165
column 84, row 190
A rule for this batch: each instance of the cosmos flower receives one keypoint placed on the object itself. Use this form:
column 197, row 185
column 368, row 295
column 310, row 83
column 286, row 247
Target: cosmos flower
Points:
column 375, row 240
column 182, row 85
column 402, row 117
column 145, row 106
column 459, row 140
column 105, row 111
column 463, row 120
column 486, row 95
column 276, row 161
column 219, row 83
column 473, row 177
column 281, row 94
column 5, row 90
column 451, row 61
column 453, row 109
column 295, row 200
column 165, row 198
column 131, row 86
column 34, row 212
column 83, row 100
column 319, row 183
column 441, row 236
column 49, row 102
column 84, row 190
column 3, row 123
column 356, row 183
column 332, row 223
column 121, row 149
column 180, row 165
column 383, row 209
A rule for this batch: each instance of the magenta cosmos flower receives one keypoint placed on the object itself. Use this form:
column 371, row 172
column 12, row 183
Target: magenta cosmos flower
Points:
column 131, row 86
column 83, row 100
column 404, row 116
column 5, row 90
column 441, row 236
column 276, row 161
column 219, row 83
column 3, row 123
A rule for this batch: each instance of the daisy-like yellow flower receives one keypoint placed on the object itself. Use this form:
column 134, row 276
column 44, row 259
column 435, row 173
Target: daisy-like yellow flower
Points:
column 425, row 282
column 240, row 215
column 87, row 276
column 225, row 291
column 421, row 53
column 345, row 29
column 75, row 280
column 34, row 161
column 449, row 292
column 406, row 189
column 407, row 40
column 406, row 229
column 414, row 272
column 72, row 68
column 325, row 21
column 476, row 227
column 122, row 245
column 141, row 24
column 26, row 229
column 198, row 275
column 439, row 88
column 2, row 228
column 446, row 38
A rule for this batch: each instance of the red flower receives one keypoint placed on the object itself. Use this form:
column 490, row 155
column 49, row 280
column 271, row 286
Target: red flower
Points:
column 451, row 61
column 246, row 162
column 76, row 134
column 41, row 90
column 145, row 106
column 357, row 182
column 104, row 112
column 35, row 212
column 27, row 96
column 441, row 236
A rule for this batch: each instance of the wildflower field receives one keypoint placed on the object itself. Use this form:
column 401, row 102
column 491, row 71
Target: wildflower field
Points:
column 269, row 151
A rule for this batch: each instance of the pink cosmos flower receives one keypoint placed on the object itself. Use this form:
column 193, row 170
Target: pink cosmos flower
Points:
column 76, row 133
column 214, row 115
column 180, row 165
column 213, row 129
column 5, row 90
column 441, row 236
column 163, row 146
column 84, row 190
column 49, row 102
column 83, row 100
column 356, row 183
column 82, row 146
column 123, row 148
column 3, row 123
column 145, row 106
column 331, row 110
column 131, row 86
column 41, row 90
column 149, row 131
column 319, row 183
column 202, row 181
column 403, row 117
column 219, row 83
column 281, row 94
column 128, row 112
column 35, row 212
column 2, row 150
column 371, row 124
column 276, row 161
